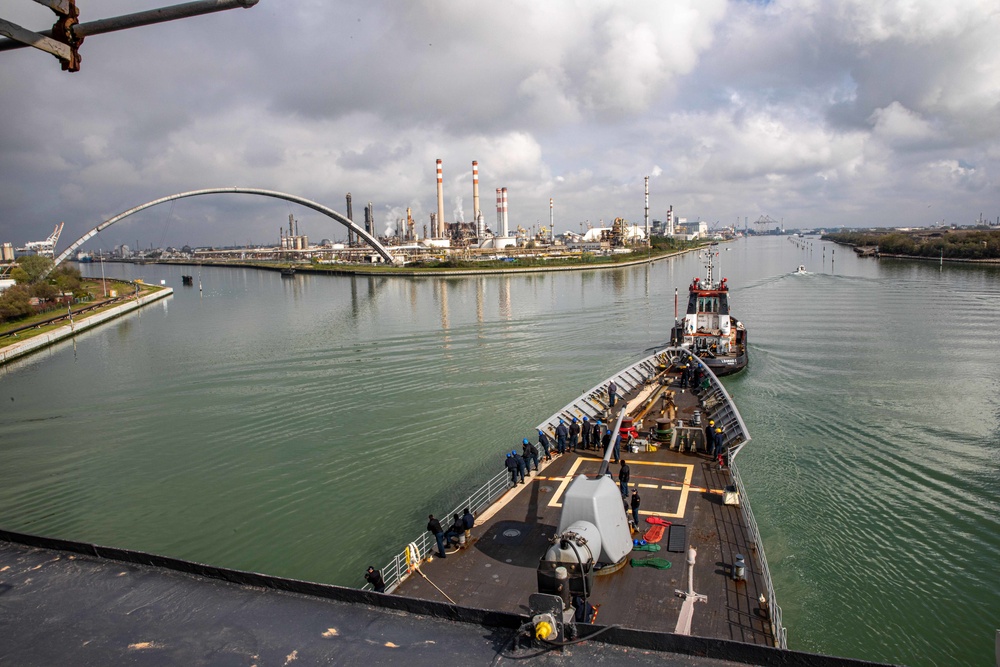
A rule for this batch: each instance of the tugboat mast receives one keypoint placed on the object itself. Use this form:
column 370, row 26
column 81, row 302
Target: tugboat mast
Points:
column 709, row 254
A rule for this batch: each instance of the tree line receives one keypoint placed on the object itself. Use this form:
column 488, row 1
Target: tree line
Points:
column 950, row 243
column 16, row 301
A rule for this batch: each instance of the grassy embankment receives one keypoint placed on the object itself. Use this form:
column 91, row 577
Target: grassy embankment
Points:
column 99, row 304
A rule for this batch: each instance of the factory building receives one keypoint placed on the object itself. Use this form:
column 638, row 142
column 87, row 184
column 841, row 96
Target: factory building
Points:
column 292, row 240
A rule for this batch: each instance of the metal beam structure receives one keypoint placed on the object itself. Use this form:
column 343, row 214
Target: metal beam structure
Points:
column 319, row 208
column 67, row 34
column 18, row 37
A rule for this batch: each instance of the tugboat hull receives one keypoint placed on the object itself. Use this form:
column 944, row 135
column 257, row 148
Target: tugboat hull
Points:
column 726, row 366
column 720, row 365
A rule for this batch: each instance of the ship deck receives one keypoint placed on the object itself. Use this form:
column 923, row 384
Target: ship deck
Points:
column 497, row 568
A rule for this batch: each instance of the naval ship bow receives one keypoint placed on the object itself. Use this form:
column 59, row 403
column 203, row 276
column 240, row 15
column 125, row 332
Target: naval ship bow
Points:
column 564, row 541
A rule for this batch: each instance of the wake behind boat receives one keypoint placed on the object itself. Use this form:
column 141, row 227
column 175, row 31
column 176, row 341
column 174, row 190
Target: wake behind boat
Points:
column 563, row 543
column 707, row 328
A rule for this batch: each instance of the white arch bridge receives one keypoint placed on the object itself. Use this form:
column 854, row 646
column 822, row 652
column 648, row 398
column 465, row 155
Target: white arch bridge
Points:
column 319, row 208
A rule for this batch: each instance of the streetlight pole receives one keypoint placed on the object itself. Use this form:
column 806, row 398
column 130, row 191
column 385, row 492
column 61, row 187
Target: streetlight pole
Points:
column 103, row 281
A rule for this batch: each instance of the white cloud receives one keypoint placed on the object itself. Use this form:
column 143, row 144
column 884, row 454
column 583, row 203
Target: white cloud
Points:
column 945, row 175
column 822, row 111
column 910, row 20
column 899, row 126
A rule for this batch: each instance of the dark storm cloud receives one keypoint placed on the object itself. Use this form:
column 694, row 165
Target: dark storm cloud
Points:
column 373, row 156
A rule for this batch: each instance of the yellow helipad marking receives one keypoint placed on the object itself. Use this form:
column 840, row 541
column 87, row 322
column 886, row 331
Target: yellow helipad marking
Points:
column 555, row 502
column 684, row 487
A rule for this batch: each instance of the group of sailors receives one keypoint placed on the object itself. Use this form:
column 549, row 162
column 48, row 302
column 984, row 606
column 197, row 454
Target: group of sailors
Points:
column 576, row 436
column 715, row 441
column 595, row 435
column 692, row 375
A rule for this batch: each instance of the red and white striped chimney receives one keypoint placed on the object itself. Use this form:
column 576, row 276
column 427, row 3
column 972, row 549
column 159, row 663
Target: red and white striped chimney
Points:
column 475, row 190
column 499, row 211
column 439, row 232
column 503, row 211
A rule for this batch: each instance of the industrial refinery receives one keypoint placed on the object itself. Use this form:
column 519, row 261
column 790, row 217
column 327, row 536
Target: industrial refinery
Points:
column 405, row 240
column 440, row 239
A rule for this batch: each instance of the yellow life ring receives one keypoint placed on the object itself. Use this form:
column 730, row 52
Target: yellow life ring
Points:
column 412, row 556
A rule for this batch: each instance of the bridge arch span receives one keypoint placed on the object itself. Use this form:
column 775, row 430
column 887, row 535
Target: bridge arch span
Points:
column 319, row 208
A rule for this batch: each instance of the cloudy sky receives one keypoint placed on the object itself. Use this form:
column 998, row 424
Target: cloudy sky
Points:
column 816, row 113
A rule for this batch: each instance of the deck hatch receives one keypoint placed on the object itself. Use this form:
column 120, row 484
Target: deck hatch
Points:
column 511, row 533
column 677, row 541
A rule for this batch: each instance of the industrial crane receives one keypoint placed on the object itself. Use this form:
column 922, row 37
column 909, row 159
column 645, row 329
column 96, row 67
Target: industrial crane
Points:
column 48, row 246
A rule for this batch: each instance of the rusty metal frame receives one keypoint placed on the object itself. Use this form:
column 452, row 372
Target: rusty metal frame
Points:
column 67, row 34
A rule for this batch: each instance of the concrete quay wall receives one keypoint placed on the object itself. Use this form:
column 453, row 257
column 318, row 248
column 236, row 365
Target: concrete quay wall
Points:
column 35, row 343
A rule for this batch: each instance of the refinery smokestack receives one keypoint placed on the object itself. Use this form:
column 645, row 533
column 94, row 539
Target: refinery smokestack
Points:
column 475, row 190
column 499, row 211
column 552, row 221
column 440, row 215
column 647, row 210
column 350, row 216
column 503, row 210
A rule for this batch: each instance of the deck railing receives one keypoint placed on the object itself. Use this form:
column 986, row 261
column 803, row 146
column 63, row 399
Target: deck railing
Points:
column 398, row 568
column 774, row 611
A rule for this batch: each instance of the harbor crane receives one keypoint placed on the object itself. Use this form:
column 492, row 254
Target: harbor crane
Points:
column 47, row 247
column 766, row 221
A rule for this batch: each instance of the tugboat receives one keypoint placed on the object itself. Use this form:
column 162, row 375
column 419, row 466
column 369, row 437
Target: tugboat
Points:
column 707, row 328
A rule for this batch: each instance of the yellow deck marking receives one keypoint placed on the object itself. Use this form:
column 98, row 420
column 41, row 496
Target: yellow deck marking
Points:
column 684, row 488
column 565, row 482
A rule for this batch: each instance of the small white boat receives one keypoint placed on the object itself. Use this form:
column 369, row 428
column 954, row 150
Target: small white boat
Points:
column 800, row 271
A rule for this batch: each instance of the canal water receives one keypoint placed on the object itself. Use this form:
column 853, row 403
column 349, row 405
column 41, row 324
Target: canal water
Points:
column 306, row 426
